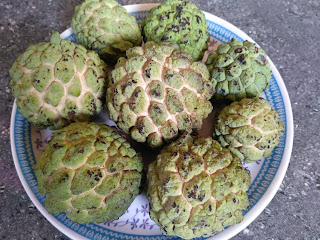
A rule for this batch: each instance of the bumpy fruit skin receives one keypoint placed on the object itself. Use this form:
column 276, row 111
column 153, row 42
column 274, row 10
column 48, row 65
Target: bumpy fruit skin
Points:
column 239, row 70
column 180, row 22
column 57, row 83
column 249, row 128
column 196, row 188
column 90, row 172
column 157, row 91
column 106, row 27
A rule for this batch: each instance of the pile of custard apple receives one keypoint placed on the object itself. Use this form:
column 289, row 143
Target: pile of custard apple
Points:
column 158, row 93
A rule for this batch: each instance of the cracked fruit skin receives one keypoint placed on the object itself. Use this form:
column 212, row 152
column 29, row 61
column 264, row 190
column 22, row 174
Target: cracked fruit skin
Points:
column 196, row 188
column 249, row 128
column 58, row 82
column 180, row 22
column 105, row 27
column 158, row 91
column 90, row 172
column 239, row 70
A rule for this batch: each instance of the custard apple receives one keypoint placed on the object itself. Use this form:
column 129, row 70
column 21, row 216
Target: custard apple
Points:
column 196, row 188
column 105, row 27
column 249, row 128
column 90, row 172
column 57, row 83
column 239, row 70
column 157, row 91
column 181, row 22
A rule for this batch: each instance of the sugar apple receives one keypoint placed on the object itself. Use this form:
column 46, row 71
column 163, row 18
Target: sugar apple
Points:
column 196, row 188
column 157, row 91
column 249, row 128
column 239, row 70
column 58, row 82
column 106, row 27
column 181, row 22
column 90, row 172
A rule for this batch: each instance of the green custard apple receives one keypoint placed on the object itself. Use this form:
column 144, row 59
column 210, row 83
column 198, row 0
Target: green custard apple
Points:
column 158, row 91
column 196, row 188
column 105, row 27
column 239, row 70
column 181, row 22
column 58, row 82
column 249, row 128
column 90, row 172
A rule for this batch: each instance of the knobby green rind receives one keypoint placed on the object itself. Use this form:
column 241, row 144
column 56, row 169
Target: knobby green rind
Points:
column 180, row 22
column 196, row 188
column 239, row 70
column 105, row 27
column 158, row 91
column 90, row 172
column 57, row 83
column 249, row 128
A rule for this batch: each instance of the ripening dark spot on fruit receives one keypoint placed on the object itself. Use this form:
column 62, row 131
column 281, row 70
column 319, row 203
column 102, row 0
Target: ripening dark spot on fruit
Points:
column 141, row 128
column 56, row 145
column 164, row 38
column 137, row 93
column 156, row 30
column 179, row 8
column 198, row 18
column 263, row 59
column 192, row 195
column 148, row 72
column 238, row 50
column 166, row 182
column 173, row 131
column 201, row 197
column 241, row 58
column 175, row 28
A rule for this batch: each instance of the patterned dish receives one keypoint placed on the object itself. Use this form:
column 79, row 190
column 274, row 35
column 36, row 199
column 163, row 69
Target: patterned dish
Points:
column 27, row 143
